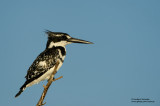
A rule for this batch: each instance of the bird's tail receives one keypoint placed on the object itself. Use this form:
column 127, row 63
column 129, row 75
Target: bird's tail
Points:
column 21, row 90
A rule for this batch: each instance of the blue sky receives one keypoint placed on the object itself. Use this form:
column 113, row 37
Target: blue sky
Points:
column 121, row 65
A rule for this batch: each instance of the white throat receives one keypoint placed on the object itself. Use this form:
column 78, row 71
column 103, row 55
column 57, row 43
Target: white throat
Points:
column 61, row 43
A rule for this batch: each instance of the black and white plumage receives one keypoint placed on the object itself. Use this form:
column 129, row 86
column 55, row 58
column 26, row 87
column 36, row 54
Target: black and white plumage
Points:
column 43, row 66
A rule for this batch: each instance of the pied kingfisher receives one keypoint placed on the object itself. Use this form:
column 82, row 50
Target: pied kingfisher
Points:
column 43, row 66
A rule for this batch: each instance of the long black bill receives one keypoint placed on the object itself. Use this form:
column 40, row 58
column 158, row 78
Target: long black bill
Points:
column 75, row 40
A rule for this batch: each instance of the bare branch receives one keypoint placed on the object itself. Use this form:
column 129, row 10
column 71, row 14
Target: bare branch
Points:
column 40, row 102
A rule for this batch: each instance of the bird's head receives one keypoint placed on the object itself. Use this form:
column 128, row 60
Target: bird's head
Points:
column 62, row 39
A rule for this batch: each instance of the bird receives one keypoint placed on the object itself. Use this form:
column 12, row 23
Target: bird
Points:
column 55, row 51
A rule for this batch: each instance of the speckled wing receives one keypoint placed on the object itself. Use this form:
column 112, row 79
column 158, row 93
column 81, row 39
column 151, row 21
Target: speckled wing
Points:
column 46, row 60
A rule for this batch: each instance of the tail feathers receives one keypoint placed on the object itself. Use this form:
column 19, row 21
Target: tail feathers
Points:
column 21, row 90
column 19, row 93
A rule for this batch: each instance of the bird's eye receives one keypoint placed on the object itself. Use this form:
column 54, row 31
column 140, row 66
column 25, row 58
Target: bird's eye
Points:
column 64, row 37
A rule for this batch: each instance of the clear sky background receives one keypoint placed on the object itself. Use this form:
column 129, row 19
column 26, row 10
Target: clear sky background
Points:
column 124, row 62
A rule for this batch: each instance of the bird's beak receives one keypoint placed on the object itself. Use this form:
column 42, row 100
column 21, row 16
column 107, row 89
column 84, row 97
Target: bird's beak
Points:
column 75, row 40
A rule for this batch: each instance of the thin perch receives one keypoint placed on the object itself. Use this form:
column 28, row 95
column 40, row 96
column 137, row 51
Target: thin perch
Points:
column 40, row 102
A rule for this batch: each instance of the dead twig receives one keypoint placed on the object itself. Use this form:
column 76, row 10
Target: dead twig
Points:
column 40, row 102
